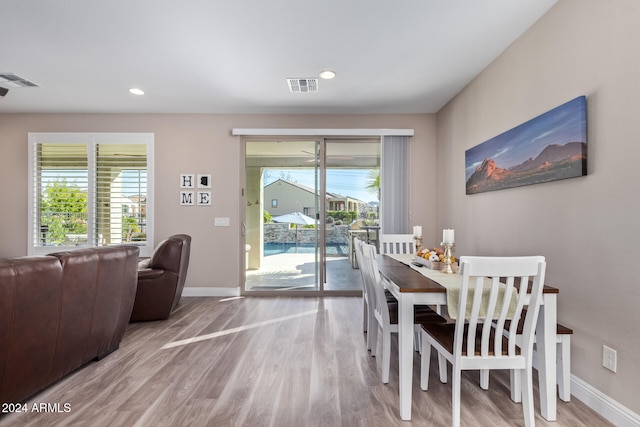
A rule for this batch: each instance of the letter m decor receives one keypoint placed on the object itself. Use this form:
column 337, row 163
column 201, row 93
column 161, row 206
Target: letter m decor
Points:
column 187, row 198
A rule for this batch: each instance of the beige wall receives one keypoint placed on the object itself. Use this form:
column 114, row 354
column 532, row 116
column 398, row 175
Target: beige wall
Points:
column 588, row 227
column 196, row 143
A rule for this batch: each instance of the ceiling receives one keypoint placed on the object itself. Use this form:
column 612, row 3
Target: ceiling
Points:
column 207, row 56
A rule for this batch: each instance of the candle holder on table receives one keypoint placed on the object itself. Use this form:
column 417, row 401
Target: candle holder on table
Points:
column 418, row 243
column 448, row 253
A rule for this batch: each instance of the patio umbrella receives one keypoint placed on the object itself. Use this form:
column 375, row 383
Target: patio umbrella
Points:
column 296, row 218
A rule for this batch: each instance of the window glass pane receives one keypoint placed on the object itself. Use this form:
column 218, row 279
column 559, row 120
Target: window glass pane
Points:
column 121, row 193
column 62, row 173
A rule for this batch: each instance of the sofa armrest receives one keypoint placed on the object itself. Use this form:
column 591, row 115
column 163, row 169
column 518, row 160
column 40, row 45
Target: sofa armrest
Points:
column 150, row 273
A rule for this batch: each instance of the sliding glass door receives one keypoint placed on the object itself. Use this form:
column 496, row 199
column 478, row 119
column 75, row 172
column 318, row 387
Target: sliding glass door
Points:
column 305, row 202
column 281, row 216
column 351, row 176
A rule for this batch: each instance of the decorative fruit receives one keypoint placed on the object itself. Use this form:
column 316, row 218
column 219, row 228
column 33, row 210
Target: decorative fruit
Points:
column 433, row 254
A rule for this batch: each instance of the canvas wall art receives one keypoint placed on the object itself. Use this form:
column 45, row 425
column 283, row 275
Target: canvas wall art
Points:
column 549, row 147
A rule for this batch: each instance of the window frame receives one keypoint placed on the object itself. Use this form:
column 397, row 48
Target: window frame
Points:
column 91, row 140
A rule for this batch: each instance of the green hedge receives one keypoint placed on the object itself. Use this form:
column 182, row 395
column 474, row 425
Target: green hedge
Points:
column 347, row 217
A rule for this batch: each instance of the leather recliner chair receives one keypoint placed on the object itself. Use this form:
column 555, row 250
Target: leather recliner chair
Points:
column 160, row 284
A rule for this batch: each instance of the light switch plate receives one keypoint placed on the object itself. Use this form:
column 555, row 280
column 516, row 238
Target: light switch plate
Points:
column 222, row 222
column 609, row 358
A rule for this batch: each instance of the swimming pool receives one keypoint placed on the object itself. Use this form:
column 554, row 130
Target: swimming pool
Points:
column 274, row 248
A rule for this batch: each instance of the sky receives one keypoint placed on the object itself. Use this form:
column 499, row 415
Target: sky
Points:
column 347, row 182
column 561, row 125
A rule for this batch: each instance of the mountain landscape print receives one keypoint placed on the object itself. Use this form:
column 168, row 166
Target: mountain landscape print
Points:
column 549, row 147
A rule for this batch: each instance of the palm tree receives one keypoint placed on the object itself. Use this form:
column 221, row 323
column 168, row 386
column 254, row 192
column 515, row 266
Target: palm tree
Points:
column 374, row 182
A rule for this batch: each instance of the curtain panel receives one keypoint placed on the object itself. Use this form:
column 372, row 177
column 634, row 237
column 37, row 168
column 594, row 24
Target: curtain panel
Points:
column 394, row 185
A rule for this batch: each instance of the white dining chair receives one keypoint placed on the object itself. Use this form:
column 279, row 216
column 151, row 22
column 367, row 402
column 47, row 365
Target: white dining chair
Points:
column 386, row 311
column 368, row 304
column 397, row 244
column 496, row 286
column 563, row 363
column 370, row 324
column 402, row 244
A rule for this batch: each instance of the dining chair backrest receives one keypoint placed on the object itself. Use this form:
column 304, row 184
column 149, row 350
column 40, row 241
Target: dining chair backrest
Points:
column 368, row 301
column 376, row 286
column 498, row 285
column 397, row 244
column 367, row 290
column 357, row 243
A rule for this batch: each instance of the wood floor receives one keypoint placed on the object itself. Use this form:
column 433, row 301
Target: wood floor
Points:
column 264, row 362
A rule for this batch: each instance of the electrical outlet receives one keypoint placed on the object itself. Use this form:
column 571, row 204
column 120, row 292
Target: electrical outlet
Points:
column 609, row 358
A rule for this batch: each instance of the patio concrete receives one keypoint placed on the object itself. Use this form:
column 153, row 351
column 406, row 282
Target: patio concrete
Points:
column 295, row 271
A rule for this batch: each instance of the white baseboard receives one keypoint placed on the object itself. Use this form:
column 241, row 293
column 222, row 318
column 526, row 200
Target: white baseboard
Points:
column 210, row 292
column 608, row 408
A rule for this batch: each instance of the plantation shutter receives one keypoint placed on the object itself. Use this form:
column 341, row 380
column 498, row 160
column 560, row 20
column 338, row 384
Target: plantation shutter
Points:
column 90, row 190
column 120, row 193
column 61, row 175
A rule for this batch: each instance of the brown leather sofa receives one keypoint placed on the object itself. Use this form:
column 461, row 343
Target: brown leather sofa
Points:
column 160, row 284
column 60, row 311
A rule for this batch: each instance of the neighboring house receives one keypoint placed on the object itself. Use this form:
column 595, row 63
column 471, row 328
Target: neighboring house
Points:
column 373, row 208
column 136, row 207
column 338, row 202
column 283, row 197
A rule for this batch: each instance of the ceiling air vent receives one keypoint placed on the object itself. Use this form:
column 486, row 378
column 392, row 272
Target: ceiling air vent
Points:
column 12, row 80
column 303, row 85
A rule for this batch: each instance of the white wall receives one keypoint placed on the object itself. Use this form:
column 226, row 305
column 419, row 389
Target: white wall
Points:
column 588, row 227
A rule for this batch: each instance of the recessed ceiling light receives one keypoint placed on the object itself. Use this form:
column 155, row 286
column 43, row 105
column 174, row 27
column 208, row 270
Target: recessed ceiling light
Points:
column 136, row 91
column 327, row 74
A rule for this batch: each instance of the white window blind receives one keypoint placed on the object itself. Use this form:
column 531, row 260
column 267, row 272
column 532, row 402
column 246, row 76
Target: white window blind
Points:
column 90, row 190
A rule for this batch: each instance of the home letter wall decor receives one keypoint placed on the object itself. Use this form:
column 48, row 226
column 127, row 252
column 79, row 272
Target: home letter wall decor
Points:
column 189, row 197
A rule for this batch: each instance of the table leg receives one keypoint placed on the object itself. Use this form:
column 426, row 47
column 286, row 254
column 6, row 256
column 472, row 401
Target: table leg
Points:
column 546, row 348
column 405, row 353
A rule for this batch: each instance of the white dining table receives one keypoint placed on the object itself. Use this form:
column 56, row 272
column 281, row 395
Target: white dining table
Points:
column 411, row 288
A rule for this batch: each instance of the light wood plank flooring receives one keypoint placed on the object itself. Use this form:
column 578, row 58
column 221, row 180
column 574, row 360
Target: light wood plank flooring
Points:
column 265, row 362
